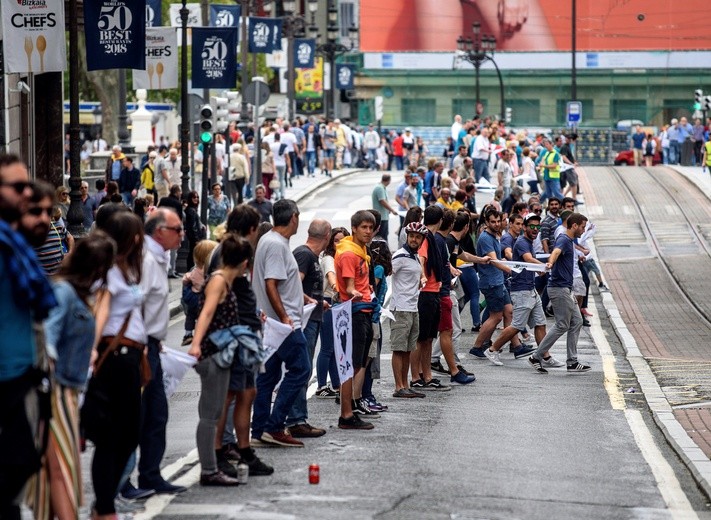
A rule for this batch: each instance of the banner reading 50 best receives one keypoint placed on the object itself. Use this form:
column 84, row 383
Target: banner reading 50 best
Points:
column 33, row 36
column 214, row 57
column 161, row 60
column 115, row 34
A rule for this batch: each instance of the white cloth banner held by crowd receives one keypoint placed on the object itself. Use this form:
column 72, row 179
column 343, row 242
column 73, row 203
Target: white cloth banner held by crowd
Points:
column 518, row 267
column 161, row 60
column 175, row 365
column 343, row 339
column 275, row 332
column 33, row 36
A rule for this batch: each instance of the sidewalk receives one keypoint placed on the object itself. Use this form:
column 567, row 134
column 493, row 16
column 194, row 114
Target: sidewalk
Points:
column 302, row 188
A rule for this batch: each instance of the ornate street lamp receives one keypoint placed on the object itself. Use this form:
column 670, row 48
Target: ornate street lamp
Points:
column 295, row 26
column 476, row 51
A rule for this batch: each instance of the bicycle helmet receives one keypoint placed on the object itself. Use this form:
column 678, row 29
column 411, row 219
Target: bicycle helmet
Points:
column 416, row 227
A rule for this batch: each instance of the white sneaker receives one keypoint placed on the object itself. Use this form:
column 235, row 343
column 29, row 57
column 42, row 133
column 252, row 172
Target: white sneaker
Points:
column 552, row 362
column 494, row 357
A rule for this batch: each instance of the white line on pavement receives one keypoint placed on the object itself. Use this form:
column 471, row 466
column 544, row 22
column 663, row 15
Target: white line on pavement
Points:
column 157, row 503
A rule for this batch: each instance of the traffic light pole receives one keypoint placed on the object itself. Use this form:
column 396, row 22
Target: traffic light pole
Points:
column 207, row 148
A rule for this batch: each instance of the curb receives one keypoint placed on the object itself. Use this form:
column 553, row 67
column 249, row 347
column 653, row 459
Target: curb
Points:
column 694, row 458
column 175, row 309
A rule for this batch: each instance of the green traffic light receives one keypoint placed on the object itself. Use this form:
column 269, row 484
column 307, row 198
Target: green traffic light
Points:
column 206, row 137
column 697, row 106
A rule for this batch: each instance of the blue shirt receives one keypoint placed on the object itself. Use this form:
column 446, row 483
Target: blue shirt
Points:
column 562, row 272
column 637, row 140
column 525, row 280
column 673, row 133
column 685, row 131
column 17, row 342
column 443, row 250
column 429, row 179
column 489, row 276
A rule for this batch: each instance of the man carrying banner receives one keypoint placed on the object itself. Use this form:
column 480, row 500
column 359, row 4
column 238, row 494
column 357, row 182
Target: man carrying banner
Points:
column 353, row 282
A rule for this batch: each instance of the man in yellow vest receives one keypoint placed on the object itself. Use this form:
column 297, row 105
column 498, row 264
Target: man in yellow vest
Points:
column 706, row 159
column 550, row 164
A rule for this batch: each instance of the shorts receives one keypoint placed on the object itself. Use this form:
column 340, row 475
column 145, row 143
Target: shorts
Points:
column 362, row 336
column 429, row 310
column 240, row 378
column 445, row 315
column 404, row 331
column 590, row 266
column 527, row 310
column 329, row 153
column 579, row 288
column 571, row 176
column 496, row 298
column 377, row 332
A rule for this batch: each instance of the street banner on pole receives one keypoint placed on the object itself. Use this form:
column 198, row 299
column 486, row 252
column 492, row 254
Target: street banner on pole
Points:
column 115, row 34
column 308, row 88
column 264, row 34
column 161, row 60
column 194, row 15
column 225, row 15
column 33, row 36
column 343, row 336
column 344, row 76
column 214, row 57
column 154, row 16
column 304, row 52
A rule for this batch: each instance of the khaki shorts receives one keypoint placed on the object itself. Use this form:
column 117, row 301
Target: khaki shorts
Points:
column 527, row 309
column 404, row 331
column 578, row 286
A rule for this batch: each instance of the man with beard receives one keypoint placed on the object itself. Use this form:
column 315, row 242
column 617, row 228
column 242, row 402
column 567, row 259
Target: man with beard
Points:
column 25, row 299
column 36, row 222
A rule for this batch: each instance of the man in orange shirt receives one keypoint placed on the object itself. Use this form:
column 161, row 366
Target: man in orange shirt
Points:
column 353, row 281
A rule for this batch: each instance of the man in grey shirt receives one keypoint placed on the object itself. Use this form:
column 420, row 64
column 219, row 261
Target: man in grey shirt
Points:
column 277, row 286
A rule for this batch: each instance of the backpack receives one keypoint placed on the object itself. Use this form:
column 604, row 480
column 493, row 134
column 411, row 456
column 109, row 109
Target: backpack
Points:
column 648, row 148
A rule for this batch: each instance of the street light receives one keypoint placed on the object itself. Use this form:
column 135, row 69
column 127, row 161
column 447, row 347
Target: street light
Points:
column 332, row 49
column 75, row 214
column 185, row 119
column 477, row 51
column 295, row 26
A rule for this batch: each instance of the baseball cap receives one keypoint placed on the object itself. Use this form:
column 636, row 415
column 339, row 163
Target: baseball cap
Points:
column 408, row 129
column 531, row 216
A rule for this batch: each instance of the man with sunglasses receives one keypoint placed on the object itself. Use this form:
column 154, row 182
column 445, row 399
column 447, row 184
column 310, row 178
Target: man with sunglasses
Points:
column 25, row 297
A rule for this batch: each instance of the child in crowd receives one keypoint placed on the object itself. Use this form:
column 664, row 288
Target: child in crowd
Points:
column 193, row 283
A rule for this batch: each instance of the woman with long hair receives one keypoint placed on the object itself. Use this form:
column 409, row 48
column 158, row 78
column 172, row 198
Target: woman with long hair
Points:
column 112, row 409
column 56, row 490
column 194, row 229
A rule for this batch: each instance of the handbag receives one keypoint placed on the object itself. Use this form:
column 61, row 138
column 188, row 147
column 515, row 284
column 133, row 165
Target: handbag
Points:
column 274, row 184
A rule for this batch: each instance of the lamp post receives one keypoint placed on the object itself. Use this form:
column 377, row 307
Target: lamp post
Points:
column 185, row 119
column 295, row 26
column 124, row 138
column 331, row 50
column 75, row 214
column 477, row 51
column 97, row 121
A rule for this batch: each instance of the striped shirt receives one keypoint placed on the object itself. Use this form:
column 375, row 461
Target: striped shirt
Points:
column 51, row 253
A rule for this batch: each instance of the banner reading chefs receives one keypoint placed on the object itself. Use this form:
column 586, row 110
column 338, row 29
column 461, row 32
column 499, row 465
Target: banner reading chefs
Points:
column 115, row 34
column 33, row 36
column 161, row 60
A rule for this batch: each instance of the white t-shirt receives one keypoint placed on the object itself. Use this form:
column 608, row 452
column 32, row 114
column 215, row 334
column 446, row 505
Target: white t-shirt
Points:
column 125, row 298
column 481, row 148
column 505, row 168
column 289, row 140
column 279, row 160
column 405, row 281
column 529, row 170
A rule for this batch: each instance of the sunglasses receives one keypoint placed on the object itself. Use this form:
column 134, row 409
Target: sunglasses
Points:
column 19, row 186
column 538, row 211
column 177, row 229
column 534, row 226
column 36, row 211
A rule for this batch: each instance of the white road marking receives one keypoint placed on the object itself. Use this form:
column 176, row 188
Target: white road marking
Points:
column 157, row 503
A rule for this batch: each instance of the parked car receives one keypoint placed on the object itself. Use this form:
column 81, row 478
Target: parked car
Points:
column 626, row 158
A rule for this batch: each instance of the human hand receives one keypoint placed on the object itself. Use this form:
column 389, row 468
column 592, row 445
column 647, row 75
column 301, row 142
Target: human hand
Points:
column 194, row 351
column 512, row 14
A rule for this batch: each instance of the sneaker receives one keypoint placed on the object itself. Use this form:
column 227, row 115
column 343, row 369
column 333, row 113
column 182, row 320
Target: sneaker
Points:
column 126, row 506
column 494, row 356
column 375, row 405
column 187, row 340
column 417, row 384
column 305, row 430
column 403, row 393
column 479, row 351
column 129, row 492
column 464, row 370
column 225, row 466
column 586, row 323
column 602, row 287
column 549, row 312
column 476, row 328
column 537, row 365
column 257, row 468
column 326, row 392
column 415, row 393
column 231, row 453
column 438, row 367
column 218, row 479
column 354, row 423
column 436, row 385
column 461, row 378
column 523, row 351
column 360, row 406
column 552, row 362
column 578, row 367
column 281, row 439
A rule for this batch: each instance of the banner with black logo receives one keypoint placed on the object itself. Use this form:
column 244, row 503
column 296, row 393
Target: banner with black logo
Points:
column 225, row 15
column 161, row 60
column 154, row 16
column 344, row 76
column 115, row 34
column 214, row 57
column 304, row 51
column 33, row 36
column 264, row 34
column 194, row 15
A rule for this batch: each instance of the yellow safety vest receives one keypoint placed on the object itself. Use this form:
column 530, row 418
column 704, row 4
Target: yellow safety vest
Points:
column 707, row 145
column 551, row 166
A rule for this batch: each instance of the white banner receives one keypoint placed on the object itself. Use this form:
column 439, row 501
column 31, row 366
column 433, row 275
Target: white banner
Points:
column 33, row 36
column 194, row 15
column 161, row 60
column 518, row 267
column 274, row 334
column 343, row 339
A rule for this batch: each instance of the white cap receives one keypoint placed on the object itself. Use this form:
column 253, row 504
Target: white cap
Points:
column 337, row 121
column 408, row 129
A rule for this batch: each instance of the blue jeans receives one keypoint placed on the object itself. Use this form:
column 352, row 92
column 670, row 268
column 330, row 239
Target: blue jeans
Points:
column 552, row 190
column 293, row 354
column 372, row 156
column 665, row 154
column 299, row 413
column 470, row 285
column 481, row 169
column 311, row 161
column 674, row 152
column 326, row 361
column 399, row 162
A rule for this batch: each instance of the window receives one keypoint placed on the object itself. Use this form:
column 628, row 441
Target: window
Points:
column 523, row 111
column 346, row 17
column 465, row 108
column 418, row 111
column 628, row 109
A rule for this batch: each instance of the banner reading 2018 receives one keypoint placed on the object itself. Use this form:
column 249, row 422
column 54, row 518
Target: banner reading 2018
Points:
column 115, row 34
column 214, row 57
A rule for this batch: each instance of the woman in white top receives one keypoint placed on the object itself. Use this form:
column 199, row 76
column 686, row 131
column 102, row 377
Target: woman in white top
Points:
column 238, row 173
column 113, row 402
column 281, row 163
column 529, row 170
column 504, row 173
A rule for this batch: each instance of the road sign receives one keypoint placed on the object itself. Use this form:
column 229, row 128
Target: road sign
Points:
column 574, row 111
column 257, row 93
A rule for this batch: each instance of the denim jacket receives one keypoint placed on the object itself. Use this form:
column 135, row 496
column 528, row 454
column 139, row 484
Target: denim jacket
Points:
column 69, row 331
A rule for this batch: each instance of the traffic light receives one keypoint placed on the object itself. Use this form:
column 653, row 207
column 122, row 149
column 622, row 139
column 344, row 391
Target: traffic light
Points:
column 219, row 106
column 707, row 103
column 207, row 124
column 509, row 114
column 698, row 98
column 233, row 105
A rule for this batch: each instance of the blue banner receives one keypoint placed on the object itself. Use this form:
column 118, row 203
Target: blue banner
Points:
column 214, row 57
column 344, row 76
column 154, row 17
column 264, row 34
column 115, row 34
column 225, row 15
column 304, row 51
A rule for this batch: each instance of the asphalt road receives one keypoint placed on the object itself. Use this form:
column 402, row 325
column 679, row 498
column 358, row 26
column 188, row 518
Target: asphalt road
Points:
column 514, row 444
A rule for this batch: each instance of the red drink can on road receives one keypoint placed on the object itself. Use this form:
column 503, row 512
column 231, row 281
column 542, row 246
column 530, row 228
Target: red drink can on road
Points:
column 314, row 474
